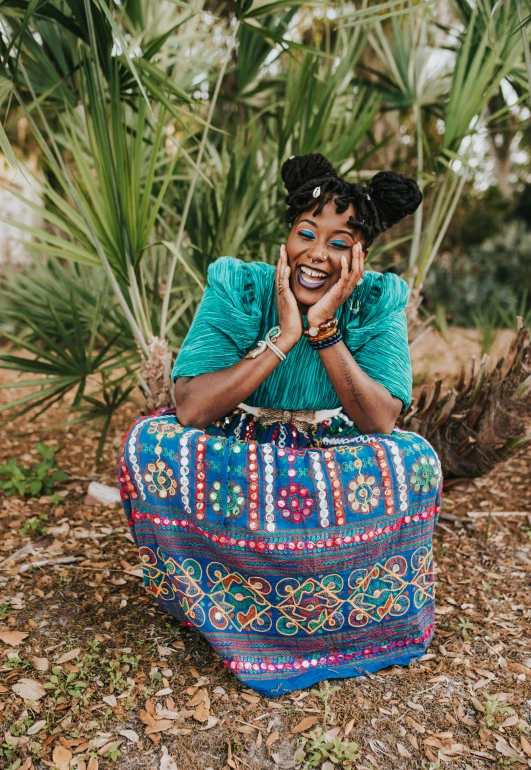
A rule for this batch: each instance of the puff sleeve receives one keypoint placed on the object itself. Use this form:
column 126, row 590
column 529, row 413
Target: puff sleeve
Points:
column 227, row 323
column 378, row 340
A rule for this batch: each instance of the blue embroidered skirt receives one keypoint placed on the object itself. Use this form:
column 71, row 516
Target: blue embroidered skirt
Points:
column 300, row 556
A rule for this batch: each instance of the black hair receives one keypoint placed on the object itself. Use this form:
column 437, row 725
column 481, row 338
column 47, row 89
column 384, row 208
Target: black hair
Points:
column 388, row 198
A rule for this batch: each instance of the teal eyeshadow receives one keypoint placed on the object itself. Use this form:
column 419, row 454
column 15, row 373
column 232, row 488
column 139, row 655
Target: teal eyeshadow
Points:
column 307, row 232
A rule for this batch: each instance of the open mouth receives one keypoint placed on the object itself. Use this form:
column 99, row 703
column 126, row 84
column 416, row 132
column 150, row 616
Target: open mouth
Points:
column 310, row 277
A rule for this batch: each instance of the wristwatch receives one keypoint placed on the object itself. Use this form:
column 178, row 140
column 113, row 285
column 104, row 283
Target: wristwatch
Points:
column 313, row 331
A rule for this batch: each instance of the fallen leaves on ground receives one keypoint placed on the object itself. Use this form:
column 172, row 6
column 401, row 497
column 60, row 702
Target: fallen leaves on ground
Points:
column 98, row 677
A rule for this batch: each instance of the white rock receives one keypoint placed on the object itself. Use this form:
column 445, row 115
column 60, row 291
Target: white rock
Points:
column 104, row 494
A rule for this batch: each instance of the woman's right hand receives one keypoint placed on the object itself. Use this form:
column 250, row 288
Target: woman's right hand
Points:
column 289, row 313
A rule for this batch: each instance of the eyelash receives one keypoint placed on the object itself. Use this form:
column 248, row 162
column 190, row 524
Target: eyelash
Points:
column 337, row 244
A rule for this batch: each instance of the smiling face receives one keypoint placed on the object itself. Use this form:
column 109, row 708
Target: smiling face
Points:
column 324, row 239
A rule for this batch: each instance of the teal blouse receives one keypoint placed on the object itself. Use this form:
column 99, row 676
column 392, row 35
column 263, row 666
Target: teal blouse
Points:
column 239, row 307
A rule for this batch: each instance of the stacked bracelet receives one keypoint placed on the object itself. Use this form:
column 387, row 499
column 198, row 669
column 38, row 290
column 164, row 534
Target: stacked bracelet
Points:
column 325, row 329
column 326, row 341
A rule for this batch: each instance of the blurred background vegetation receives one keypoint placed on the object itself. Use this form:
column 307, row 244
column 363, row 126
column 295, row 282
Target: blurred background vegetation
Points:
column 145, row 140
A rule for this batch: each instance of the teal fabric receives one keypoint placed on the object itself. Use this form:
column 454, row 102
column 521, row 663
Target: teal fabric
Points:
column 239, row 307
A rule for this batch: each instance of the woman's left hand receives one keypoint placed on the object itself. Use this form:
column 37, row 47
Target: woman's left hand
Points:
column 326, row 307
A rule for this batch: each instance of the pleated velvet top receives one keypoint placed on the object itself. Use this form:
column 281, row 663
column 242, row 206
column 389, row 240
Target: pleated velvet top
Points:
column 239, row 307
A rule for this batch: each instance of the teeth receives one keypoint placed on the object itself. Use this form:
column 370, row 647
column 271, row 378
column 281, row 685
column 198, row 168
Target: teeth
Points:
column 312, row 273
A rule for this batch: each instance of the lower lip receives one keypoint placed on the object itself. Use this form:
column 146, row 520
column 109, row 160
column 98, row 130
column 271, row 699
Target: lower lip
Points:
column 303, row 280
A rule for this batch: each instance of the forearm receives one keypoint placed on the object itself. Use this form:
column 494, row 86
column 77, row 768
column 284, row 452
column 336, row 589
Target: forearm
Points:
column 366, row 402
column 208, row 397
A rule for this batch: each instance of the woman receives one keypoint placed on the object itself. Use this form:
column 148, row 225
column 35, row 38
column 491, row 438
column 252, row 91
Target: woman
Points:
column 277, row 509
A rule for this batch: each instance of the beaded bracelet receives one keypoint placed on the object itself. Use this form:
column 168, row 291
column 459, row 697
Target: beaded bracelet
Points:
column 319, row 345
column 316, row 332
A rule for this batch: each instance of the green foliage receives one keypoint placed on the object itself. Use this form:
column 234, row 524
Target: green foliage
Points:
column 494, row 709
column 63, row 683
column 319, row 747
column 490, row 285
column 38, row 479
column 34, row 527
column 161, row 152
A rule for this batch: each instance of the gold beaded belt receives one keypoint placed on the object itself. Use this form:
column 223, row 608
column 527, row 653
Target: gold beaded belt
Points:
column 302, row 419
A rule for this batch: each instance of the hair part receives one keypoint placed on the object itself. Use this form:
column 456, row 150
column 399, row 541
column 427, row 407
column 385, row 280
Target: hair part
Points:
column 388, row 198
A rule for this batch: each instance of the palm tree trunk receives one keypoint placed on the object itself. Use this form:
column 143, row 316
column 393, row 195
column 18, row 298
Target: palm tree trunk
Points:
column 484, row 418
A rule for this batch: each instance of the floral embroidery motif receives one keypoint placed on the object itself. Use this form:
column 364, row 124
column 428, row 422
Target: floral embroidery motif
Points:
column 161, row 428
column 309, row 606
column 160, row 479
column 235, row 499
column 425, row 474
column 364, row 493
column 294, row 502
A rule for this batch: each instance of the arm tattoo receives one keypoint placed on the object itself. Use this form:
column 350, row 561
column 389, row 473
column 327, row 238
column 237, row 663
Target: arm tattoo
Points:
column 352, row 388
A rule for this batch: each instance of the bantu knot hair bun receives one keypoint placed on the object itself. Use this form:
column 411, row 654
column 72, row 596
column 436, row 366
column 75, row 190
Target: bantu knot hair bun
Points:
column 394, row 195
column 300, row 169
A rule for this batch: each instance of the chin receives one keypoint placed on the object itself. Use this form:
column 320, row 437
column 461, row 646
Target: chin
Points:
column 307, row 296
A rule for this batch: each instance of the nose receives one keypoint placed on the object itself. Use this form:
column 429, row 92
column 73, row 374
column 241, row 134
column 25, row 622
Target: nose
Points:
column 317, row 252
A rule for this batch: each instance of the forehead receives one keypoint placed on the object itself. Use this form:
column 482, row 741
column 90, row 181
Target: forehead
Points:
column 328, row 217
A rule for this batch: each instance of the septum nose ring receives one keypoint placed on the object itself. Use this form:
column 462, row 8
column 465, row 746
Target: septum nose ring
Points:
column 323, row 257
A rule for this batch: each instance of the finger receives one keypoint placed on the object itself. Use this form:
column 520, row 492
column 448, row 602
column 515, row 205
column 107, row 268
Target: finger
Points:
column 344, row 273
column 357, row 264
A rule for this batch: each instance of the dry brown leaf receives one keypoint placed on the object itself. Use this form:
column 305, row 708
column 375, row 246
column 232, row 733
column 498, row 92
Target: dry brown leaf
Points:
column 411, row 738
column 110, row 700
column 511, row 721
column 306, row 723
column 230, row 761
column 61, row 757
column 247, row 729
column 211, row 722
column 253, row 699
column 272, row 738
column 67, row 656
column 159, row 727
column 110, row 746
column 526, row 746
column 198, row 698
column 131, row 735
column 519, row 668
column 414, row 725
column 93, row 764
column 415, row 706
column 13, row 638
column 40, row 664
column 37, row 727
column 29, row 689
column 202, row 711
column 166, row 761
column 258, row 741
column 348, row 727
column 146, row 718
column 507, row 751
column 403, row 751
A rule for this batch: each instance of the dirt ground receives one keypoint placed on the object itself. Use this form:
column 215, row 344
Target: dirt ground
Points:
column 119, row 684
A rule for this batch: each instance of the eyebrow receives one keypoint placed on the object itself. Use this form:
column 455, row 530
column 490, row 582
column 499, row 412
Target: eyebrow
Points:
column 333, row 231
